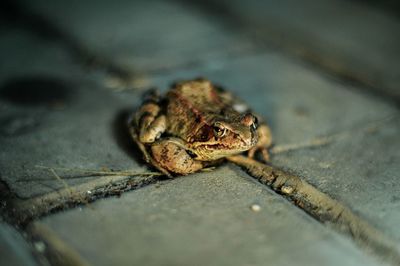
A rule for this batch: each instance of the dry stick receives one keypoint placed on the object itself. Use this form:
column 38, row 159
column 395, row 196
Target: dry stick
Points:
column 321, row 206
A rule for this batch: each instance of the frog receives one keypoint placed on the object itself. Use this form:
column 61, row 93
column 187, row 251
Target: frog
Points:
column 196, row 125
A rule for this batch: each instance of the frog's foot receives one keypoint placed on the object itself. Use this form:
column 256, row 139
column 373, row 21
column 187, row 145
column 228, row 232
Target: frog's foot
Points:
column 259, row 149
column 169, row 155
column 263, row 143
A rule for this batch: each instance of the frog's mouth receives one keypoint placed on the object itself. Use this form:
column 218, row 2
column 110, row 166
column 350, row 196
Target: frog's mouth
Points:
column 224, row 147
column 231, row 145
column 209, row 152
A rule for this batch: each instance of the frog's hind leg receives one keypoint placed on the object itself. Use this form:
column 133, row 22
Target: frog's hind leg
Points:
column 173, row 157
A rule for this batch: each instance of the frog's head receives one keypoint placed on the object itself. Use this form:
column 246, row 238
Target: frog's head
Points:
column 224, row 137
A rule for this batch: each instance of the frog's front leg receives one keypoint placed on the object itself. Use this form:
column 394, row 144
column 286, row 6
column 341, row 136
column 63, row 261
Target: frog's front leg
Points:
column 150, row 123
column 170, row 154
column 264, row 141
column 147, row 125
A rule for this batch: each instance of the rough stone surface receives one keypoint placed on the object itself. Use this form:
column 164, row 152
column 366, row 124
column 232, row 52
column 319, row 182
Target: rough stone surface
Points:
column 13, row 248
column 203, row 219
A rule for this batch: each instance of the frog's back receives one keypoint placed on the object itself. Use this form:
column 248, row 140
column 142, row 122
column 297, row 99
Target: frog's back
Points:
column 191, row 105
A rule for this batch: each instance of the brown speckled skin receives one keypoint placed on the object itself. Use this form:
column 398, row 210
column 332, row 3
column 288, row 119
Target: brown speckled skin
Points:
column 194, row 125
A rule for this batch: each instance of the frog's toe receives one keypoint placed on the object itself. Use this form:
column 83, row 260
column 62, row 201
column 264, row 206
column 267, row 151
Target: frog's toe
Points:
column 265, row 154
column 261, row 150
column 251, row 152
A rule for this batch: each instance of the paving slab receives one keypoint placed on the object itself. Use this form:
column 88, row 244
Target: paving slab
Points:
column 202, row 219
column 13, row 248
column 359, row 168
column 55, row 114
column 143, row 35
column 351, row 38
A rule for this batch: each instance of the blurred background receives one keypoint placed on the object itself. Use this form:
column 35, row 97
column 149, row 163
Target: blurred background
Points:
column 71, row 72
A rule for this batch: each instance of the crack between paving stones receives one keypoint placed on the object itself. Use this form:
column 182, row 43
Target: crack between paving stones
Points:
column 46, row 245
column 21, row 213
column 322, row 208
column 51, row 249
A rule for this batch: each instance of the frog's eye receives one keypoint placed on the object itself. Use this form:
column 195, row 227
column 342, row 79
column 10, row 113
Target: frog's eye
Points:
column 250, row 120
column 255, row 123
column 219, row 131
column 204, row 134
